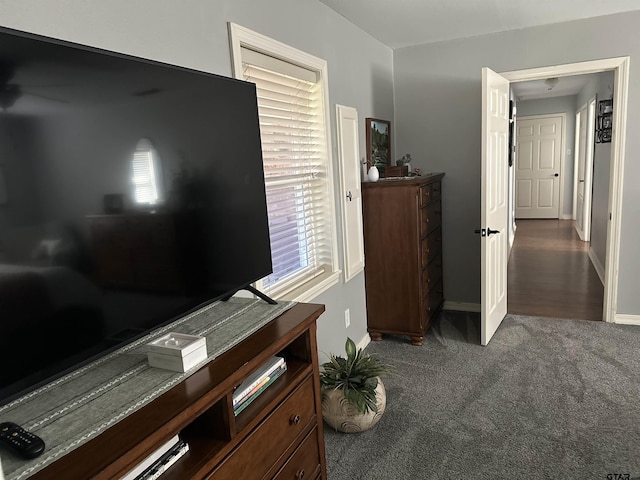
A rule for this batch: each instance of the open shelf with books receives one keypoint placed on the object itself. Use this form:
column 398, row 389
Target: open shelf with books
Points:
column 200, row 411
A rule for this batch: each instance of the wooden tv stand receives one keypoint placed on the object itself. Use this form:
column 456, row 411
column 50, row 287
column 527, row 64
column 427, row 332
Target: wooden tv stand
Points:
column 278, row 436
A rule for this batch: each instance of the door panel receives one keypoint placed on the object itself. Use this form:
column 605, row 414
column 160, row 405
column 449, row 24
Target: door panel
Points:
column 545, row 193
column 523, row 190
column 538, row 166
column 352, row 226
column 584, row 157
column 494, row 208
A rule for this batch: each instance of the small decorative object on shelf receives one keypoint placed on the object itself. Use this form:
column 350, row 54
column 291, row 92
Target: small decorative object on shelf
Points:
column 177, row 352
column 604, row 122
column 353, row 396
column 374, row 174
column 405, row 161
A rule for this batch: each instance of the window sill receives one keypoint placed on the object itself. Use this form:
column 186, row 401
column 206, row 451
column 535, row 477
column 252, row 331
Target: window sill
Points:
column 313, row 288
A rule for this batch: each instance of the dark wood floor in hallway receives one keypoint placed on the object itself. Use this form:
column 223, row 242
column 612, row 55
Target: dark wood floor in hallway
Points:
column 550, row 273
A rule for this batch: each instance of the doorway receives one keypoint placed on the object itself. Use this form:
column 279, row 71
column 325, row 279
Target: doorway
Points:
column 620, row 66
column 547, row 254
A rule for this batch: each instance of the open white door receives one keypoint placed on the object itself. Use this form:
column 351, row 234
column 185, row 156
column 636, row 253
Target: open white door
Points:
column 494, row 205
column 585, row 170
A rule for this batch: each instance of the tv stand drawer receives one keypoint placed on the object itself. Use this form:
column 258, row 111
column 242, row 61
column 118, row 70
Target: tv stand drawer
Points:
column 272, row 438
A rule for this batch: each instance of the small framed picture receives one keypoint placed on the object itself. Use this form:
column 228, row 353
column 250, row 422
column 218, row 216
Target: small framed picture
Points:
column 378, row 133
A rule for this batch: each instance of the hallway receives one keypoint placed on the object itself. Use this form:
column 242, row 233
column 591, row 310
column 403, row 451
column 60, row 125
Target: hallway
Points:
column 550, row 273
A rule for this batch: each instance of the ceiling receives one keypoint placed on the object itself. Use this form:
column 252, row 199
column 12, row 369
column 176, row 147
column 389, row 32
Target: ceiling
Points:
column 403, row 23
column 536, row 89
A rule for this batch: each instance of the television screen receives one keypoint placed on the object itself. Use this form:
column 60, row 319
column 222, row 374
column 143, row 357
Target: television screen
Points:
column 131, row 193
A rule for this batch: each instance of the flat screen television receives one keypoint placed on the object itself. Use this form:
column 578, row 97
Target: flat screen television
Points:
column 131, row 193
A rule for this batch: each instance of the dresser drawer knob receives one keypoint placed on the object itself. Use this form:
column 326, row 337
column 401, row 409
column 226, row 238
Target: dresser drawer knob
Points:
column 295, row 420
column 299, row 474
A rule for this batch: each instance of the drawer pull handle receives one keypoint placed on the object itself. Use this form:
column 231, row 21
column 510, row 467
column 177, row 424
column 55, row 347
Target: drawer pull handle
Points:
column 295, row 420
column 300, row 474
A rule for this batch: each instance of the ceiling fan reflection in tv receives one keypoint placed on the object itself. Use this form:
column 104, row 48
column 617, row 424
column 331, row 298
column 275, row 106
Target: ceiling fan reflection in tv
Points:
column 11, row 92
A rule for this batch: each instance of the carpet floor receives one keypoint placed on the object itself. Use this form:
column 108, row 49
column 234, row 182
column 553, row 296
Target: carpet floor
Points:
column 546, row 399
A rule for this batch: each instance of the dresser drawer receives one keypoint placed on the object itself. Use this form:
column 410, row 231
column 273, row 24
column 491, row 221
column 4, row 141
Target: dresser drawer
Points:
column 430, row 247
column 435, row 298
column 431, row 274
column 431, row 217
column 425, row 195
column 430, row 303
column 304, row 463
column 436, row 191
column 257, row 453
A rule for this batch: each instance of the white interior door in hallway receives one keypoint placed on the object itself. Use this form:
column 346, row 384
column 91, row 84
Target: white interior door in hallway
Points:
column 539, row 141
column 584, row 180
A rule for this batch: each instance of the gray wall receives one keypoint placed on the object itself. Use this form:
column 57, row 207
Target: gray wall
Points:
column 194, row 34
column 601, row 177
column 566, row 105
column 438, row 104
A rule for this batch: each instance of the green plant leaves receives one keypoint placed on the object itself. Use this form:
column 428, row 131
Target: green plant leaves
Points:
column 357, row 376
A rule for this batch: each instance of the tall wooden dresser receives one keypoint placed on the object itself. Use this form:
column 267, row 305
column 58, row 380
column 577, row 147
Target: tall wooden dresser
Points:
column 403, row 254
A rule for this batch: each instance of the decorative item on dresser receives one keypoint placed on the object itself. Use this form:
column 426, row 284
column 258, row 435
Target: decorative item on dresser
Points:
column 403, row 255
column 378, row 138
column 279, row 435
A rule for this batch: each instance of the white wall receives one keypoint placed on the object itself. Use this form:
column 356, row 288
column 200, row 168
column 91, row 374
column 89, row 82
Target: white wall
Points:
column 194, row 34
column 566, row 105
column 438, row 104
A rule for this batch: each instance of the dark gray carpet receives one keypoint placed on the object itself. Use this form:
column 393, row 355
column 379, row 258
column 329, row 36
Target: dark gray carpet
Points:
column 547, row 399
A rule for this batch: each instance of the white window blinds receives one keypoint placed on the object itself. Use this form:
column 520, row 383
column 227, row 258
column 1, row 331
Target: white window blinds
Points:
column 144, row 177
column 295, row 164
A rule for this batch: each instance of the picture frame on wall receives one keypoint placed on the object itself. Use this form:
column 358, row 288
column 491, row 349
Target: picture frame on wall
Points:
column 604, row 121
column 378, row 138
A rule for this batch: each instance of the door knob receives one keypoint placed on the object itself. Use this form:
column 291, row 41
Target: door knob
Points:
column 485, row 232
column 555, row 174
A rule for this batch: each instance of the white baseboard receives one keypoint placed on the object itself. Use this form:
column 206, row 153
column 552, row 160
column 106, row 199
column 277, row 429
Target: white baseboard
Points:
column 461, row 306
column 364, row 341
column 627, row 319
column 596, row 264
column 566, row 216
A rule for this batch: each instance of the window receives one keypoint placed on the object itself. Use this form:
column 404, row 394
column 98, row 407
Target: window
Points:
column 144, row 174
column 292, row 104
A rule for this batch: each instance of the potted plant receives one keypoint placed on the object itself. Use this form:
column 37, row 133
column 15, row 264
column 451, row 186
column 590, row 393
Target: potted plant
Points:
column 353, row 396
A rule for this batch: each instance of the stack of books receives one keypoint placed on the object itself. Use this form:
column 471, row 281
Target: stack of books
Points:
column 257, row 382
column 159, row 461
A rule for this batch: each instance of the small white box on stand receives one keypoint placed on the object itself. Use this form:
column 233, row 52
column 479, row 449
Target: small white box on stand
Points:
column 178, row 352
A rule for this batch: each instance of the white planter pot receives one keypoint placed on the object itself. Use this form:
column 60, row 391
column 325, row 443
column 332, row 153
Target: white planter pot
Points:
column 340, row 414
